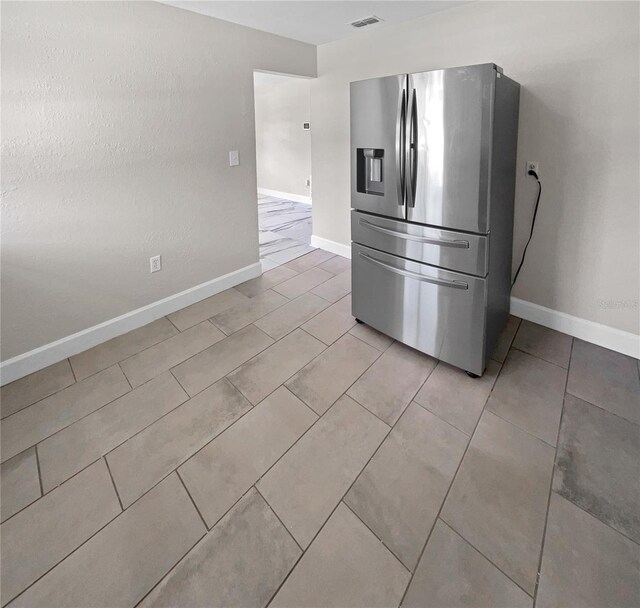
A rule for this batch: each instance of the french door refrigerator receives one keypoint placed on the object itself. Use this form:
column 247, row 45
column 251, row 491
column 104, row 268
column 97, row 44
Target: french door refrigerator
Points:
column 432, row 194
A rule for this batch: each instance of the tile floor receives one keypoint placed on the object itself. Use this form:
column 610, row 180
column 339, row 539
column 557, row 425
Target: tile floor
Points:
column 284, row 230
column 261, row 448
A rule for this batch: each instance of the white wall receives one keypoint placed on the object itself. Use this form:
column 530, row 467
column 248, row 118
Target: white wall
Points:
column 578, row 66
column 117, row 119
column 283, row 148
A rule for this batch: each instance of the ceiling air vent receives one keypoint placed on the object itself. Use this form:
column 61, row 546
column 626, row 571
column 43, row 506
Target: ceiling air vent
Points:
column 366, row 21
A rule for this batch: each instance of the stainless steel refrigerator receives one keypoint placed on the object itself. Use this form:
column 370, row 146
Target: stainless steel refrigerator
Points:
column 432, row 193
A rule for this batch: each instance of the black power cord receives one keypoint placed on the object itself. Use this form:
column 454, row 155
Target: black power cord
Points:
column 533, row 223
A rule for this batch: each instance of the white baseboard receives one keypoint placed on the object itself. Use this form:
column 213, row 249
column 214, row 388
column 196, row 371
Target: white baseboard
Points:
column 46, row 355
column 331, row 246
column 297, row 198
column 609, row 337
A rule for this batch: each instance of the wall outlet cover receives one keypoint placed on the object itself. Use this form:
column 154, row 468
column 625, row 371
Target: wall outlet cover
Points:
column 532, row 165
column 155, row 263
column 234, row 158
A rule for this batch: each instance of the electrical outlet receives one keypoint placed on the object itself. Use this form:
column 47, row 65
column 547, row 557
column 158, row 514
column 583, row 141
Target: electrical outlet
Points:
column 234, row 158
column 532, row 165
column 307, row 183
column 155, row 263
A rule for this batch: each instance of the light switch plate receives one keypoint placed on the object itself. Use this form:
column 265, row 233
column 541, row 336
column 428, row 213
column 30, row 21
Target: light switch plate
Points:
column 234, row 158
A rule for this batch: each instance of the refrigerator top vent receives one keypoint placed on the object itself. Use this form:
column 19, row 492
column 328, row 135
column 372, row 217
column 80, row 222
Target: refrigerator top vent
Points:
column 366, row 21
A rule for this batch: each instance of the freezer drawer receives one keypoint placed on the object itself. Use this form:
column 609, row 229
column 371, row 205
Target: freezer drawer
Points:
column 468, row 253
column 438, row 312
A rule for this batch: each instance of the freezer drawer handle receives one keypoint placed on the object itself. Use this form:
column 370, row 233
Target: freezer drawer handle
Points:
column 417, row 277
column 412, row 237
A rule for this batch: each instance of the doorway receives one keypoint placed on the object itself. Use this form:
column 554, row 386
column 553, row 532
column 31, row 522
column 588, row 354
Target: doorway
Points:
column 283, row 166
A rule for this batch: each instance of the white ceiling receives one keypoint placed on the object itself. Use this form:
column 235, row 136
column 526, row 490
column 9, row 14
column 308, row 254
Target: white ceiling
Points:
column 312, row 21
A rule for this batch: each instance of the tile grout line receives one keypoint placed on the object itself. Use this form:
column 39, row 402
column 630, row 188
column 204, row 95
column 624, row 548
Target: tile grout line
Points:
column 75, row 379
column 306, row 290
column 286, row 388
column 123, row 441
column 191, row 456
column 270, row 287
column 514, row 425
column 233, row 370
column 40, row 400
column 453, row 478
column 318, row 417
column 119, row 360
column 173, row 324
column 285, row 381
column 365, row 342
column 102, row 406
column 324, row 310
column 449, row 423
column 553, row 471
column 211, row 319
column 56, row 487
column 404, row 409
column 366, row 409
column 184, row 389
column 323, row 524
column 595, row 517
column 255, row 487
column 39, row 478
column 299, row 326
column 63, row 558
column 205, row 319
column 137, row 499
column 383, row 350
column 182, row 461
column 166, row 340
column 171, row 569
column 127, row 377
column 275, row 341
column 344, row 393
column 366, row 525
column 184, row 485
column 526, row 352
column 78, row 420
column 602, row 409
column 341, row 500
column 122, row 509
column 498, row 568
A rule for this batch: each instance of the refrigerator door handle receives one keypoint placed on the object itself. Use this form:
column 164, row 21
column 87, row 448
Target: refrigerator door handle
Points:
column 413, row 237
column 401, row 121
column 413, row 275
column 411, row 150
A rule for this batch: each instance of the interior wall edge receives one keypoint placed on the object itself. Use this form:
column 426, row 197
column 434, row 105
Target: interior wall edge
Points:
column 43, row 356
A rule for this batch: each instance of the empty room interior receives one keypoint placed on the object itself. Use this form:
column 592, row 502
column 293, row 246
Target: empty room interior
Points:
column 317, row 304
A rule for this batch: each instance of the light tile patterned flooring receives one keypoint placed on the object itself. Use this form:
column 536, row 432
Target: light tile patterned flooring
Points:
column 261, row 448
column 284, row 230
